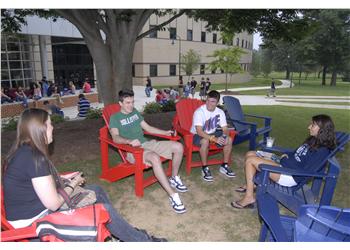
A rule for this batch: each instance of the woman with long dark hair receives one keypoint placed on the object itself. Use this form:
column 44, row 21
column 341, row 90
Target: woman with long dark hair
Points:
column 30, row 180
column 311, row 153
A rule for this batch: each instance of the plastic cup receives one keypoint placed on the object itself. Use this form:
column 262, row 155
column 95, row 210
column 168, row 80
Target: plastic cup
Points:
column 269, row 142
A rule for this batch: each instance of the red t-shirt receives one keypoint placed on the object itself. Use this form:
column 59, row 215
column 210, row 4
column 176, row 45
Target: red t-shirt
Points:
column 87, row 87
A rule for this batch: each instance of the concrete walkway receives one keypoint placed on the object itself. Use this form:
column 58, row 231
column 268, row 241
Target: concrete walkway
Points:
column 141, row 99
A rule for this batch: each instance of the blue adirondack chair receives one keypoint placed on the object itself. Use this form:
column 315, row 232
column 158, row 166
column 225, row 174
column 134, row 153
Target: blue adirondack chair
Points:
column 314, row 223
column 323, row 180
column 246, row 130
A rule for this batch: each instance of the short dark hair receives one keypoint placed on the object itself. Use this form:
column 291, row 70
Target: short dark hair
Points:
column 46, row 102
column 81, row 96
column 124, row 93
column 214, row 94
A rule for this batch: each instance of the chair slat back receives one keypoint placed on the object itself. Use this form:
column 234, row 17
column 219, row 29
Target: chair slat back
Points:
column 185, row 109
column 234, row 111
column 108, row 111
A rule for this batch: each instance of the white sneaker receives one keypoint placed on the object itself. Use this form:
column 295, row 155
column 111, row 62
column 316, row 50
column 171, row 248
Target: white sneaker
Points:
column 176, row 182
column 176, row 203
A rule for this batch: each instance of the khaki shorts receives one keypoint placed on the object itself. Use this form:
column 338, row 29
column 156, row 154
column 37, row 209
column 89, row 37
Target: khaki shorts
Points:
column 161, row 148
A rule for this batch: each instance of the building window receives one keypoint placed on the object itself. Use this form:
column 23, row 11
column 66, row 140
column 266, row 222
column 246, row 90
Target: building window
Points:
column 203, row 36
column 189, row 35
column 246, row 44
column 172, row 32
column 214, row 38
column 172, row 69
column 133, row 70
column 222, row 71
column 213, row 71
column 153, row 34
column 237, row 42
column 16, row 61
column 202, row 69
column 153, row 70
column 242, row 45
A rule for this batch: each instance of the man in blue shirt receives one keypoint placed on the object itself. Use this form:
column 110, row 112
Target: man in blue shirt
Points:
column 83, row 106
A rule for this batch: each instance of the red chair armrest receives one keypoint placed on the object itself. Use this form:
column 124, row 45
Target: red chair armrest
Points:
column 172, row 138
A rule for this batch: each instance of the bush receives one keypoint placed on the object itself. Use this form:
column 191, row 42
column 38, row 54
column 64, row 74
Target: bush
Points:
column 94, row 113
column 56, row 118
column 10, row 125
column 152, row 108
column 169, row 106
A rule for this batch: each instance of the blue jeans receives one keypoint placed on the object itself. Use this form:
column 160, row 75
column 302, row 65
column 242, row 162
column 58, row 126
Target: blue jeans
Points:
column 148, row 91
column 118, row 227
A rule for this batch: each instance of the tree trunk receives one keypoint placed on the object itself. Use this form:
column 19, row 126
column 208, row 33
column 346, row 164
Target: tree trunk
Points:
column 226, row 83
column 111, row 41
column 324, row 72
column 334, row 78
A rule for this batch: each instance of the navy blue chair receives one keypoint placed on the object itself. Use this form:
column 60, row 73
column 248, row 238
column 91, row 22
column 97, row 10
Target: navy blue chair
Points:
column 247, row 131
column 314, row 223
column 323, row 180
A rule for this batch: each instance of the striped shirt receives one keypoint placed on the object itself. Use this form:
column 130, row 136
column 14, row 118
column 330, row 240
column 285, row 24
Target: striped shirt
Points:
column 84, row 106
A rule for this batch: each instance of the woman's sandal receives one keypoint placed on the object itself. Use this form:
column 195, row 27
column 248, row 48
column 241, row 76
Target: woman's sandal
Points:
column 236, row 204
column 242, row 189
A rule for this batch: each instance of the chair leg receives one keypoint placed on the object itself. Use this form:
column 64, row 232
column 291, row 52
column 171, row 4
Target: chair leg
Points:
column 263, row 232
column 252, row 143
column 104, row 157
column 139, row 182
column 188, row 162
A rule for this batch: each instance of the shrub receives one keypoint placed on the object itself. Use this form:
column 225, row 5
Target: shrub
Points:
column 152, row 108
column 169, row 106
column 10, row 125
column 56, row 118
column 94, row 113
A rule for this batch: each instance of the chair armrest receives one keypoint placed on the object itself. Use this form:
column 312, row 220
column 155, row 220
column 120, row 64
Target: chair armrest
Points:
column 241, row 122
column 258, row 116
column 124, row 147
column 24, row 233
column 290, row 171
column 172, row 138
column 276, row 149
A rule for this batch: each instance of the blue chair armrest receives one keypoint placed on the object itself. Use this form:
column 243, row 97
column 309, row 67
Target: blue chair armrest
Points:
column 290, row 171
column 241, row 122
column 258, row 116
column 276, row 149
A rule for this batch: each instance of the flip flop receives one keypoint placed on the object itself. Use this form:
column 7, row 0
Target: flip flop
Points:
column 236, row 204
column 241, row 189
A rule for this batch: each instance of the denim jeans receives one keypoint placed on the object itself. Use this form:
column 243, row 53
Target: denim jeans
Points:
column 118, row 227
column 148, row 91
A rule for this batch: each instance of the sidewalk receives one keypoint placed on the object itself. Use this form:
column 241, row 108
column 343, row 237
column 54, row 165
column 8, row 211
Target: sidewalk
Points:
column 141, row 99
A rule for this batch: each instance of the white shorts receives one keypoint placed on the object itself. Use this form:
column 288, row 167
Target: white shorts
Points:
column 287, row 181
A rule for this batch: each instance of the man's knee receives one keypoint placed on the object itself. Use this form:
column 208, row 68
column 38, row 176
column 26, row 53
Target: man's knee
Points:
column 153, row 158
column 177, row 147
column 250, row 154
column 204, row 143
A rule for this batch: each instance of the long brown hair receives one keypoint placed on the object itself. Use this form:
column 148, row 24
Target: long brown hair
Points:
column 326, row 134
column 31, row 130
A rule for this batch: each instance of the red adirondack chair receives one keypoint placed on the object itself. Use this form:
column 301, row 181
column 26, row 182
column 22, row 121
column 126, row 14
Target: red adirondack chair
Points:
column 49, row 227
column 124, row 168
column 182, row 123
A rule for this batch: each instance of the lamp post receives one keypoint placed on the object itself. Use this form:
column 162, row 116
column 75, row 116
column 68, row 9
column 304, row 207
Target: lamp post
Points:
column 173, row 42
column 289, row 64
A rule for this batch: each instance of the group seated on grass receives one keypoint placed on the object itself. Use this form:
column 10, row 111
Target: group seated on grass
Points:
column 33, row 189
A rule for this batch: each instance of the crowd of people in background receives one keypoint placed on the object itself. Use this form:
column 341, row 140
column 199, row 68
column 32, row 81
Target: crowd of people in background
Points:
column 182, row 90
column 40, row 89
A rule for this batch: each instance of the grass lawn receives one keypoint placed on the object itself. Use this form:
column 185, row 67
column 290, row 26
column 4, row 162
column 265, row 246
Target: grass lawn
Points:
column 211, row 201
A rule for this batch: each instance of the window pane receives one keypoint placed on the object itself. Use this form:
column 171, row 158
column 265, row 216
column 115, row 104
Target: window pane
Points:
column 213, row 71
column 153, row 71
column 16, row 74
column 4, row 75
column 13, row 47
column 203, row 34
column 214, row 38
column 237, row 42
column 172, row 33
column 14, row 56
column 26, row 56
column 153, row 34
column 27, row 74
column 242, row 45
column 189, row 35
column 3, row 65
column 202, row 69
column 133, row 70
column 172, row 70
column 15, row 65
column 3, row 57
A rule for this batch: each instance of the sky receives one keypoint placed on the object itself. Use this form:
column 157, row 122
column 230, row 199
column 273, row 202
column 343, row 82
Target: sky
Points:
column 257, row 41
